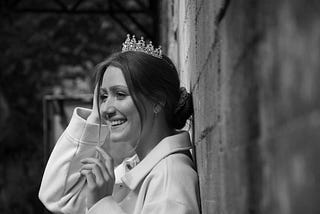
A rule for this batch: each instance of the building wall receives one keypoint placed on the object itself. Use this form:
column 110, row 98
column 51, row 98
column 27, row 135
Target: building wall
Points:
column 253, row 69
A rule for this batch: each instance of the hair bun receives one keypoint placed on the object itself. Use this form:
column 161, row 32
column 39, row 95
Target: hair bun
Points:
column 183, row 110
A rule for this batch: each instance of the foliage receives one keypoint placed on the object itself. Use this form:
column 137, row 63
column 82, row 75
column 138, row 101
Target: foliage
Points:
column 38, row 51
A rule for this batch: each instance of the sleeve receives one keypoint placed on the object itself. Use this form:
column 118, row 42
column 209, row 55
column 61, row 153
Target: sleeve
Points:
column 62, row 188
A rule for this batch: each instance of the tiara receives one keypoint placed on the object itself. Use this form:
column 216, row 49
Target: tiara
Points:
column 133, row 45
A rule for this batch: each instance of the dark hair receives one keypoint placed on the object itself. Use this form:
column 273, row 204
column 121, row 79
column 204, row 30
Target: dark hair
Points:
column 152, row 78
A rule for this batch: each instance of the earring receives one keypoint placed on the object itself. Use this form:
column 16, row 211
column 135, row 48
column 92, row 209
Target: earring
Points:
column 157, row 109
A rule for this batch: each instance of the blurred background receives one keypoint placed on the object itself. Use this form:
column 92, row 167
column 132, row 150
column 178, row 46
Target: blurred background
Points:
column 48, row 53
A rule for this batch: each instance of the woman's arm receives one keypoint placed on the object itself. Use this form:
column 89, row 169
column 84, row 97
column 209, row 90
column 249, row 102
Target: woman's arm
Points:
column 63, row 187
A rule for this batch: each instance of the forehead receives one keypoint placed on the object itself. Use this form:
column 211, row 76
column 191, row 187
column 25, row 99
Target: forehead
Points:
column 113, row 76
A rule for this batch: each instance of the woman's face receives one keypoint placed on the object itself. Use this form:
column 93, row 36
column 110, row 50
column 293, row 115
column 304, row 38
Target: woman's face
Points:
column 118, row 109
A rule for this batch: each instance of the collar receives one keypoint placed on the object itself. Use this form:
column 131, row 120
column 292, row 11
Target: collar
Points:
column 167, row 146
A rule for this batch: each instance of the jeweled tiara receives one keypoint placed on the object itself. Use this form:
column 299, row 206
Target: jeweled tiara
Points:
column 133, row 45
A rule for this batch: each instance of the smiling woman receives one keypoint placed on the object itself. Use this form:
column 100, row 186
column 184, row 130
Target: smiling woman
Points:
column 118, row 111
column 126, row 154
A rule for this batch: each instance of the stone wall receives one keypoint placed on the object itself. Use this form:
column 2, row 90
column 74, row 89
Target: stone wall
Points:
column 253, row 68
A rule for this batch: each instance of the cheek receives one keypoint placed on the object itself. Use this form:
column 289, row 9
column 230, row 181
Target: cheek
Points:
column 133, row 114
column 135, row 119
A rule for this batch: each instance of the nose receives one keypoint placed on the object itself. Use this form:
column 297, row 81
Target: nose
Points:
column 108, row 110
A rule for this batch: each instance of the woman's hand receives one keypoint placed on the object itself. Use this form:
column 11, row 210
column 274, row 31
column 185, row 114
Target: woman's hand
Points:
column 94, row 116
column 100, row 177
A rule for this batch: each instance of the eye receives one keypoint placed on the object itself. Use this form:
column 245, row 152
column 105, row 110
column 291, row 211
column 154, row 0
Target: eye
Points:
column 103, row 97
column 121, row 95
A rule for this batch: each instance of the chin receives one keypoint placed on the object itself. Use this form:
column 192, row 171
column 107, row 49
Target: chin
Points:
column 124, row 140
column 119, row 138
column 116, row 139
column 123, row 135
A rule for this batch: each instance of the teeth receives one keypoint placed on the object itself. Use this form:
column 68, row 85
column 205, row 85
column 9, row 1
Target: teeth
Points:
column 117, row 122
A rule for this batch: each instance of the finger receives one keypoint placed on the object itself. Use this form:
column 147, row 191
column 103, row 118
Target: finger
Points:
column 84, row 171
column 95, row 95
column 106, row 156
column 94, row 115
column 94, row 161
column 108, row 161
column 97, row 163
column 101, row 175
column 90, row 178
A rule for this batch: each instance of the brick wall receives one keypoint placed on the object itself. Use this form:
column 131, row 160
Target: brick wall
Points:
column 253, row 68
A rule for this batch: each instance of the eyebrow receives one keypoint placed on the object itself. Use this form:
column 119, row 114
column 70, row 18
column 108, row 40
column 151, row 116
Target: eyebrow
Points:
column 114, row 88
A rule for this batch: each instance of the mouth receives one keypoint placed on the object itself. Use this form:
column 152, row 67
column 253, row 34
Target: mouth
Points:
column 118, row 122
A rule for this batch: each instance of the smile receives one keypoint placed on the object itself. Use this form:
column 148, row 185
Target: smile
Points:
column 118, row 122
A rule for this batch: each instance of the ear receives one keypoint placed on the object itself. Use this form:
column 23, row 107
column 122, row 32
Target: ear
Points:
column 157, row 107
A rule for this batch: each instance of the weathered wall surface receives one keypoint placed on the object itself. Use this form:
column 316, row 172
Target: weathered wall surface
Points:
column 253, row 68
column 289, row 71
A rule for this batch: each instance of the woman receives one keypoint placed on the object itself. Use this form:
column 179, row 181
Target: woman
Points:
column 138, row 108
